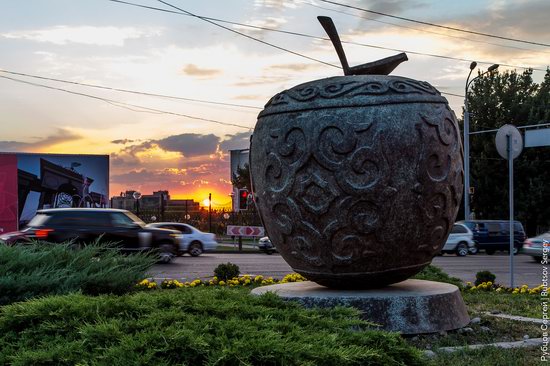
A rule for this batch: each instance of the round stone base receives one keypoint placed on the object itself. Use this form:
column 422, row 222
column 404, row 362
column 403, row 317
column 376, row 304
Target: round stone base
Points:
column 408, row 307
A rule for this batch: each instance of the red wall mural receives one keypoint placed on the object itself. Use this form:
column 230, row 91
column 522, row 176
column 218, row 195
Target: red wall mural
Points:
column 8, row 193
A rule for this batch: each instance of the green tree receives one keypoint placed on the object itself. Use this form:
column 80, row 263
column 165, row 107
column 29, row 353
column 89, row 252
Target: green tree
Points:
column 496, row 100
column 241, row 178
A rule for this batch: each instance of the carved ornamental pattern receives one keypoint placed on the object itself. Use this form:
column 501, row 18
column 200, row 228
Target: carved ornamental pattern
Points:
column 355, row 190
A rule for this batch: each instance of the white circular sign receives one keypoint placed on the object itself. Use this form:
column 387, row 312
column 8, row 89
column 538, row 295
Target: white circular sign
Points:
column 137, row 195
column 516, row 141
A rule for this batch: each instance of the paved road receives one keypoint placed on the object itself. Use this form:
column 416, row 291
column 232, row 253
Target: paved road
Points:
column 187, row 268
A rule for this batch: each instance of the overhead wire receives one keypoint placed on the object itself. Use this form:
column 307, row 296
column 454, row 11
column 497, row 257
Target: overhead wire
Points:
column 435, row 25
column 128, row 106
column 248, row 36
column 129, row 91
column 327, row 39
column 310, row 3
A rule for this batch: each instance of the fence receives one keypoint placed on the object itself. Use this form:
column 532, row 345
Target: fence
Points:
column 201, row 219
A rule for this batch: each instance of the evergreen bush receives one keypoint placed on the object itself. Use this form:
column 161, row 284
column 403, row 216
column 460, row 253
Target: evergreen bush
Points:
column 42, row 268
column 484, row 276
column 226, row 271
column 200, row 326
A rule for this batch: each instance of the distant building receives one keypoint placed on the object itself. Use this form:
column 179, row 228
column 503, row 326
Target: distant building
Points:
column 159, row 202
column 183, row 206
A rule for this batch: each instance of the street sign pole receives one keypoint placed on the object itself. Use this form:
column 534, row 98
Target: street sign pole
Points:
column 511, row 203
column 509, row 144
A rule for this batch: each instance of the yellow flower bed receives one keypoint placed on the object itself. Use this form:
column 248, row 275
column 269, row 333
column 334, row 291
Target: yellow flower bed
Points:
column 244, row 280
column 146, row 285
column 489, row 286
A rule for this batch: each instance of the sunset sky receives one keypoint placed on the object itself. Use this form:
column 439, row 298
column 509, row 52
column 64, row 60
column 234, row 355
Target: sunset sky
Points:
column 121, row 46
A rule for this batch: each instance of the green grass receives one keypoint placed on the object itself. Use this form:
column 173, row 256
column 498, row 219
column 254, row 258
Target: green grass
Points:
column 521, row 304
column 41, row 269
column 490, row 357
column 201, row 326
column 224, row 248
column 433, row 273
column 501, row 330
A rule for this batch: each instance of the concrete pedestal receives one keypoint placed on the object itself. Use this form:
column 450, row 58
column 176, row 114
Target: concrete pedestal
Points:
column 408, row 307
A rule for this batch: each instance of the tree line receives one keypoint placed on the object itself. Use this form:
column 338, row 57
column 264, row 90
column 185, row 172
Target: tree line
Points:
column 509, row 98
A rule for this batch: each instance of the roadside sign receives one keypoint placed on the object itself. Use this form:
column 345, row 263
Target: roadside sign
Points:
column 245, row 230
column 539, row 137
column 516, row 141
column 509, row 145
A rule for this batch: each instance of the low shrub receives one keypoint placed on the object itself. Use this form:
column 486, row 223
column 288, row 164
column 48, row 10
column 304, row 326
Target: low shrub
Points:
column 226, row 271
column 206, row 326
column 433, row 273
column 41, row 268
column 484, row 276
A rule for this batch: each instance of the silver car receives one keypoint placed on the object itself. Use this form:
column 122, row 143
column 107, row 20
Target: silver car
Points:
column 460, row 241
column 192, row 240
column 534, row 246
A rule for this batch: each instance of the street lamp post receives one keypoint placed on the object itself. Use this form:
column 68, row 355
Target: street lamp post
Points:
column 210, row 212
column 467, row 137
column 137, row 196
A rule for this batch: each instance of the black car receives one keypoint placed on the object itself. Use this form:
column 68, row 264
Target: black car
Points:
column 85, row 225
column 493, row 235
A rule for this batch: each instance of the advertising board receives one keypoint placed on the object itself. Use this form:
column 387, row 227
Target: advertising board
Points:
column 39, row 181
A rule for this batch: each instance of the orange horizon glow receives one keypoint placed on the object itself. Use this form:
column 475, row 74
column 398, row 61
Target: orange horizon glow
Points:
column 220, row 196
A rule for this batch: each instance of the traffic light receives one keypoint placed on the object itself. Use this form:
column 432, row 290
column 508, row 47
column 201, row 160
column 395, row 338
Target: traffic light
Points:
column 243, row 199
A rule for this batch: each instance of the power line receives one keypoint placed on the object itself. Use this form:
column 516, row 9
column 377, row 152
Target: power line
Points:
column 422, row 30
column 247, row 36
column 327, row 39
column 129, row 91
column 435, row 25
column 127, row 105
column 213, row 22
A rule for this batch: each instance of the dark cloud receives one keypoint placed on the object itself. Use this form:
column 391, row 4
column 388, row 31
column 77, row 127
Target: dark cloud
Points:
column 122, row 141
column 134, row 149
column 526, row 19
column 392, row 7
column 194, row 70
column 240, row 140
column 190, row 144
column 60, row 136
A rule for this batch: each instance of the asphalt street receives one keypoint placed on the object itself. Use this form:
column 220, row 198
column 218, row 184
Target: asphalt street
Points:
column 188, row 268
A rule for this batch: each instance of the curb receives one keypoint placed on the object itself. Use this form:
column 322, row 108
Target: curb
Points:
column 517, row 318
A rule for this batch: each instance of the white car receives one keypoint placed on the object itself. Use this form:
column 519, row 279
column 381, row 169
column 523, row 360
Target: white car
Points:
column 192, row 241
column 460, row 241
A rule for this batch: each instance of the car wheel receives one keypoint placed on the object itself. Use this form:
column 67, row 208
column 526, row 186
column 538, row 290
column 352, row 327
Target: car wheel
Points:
column 195, row 249
column 490, row 251
column 473, row 250
column 166, row 253
column 462, row 249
